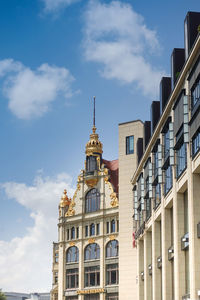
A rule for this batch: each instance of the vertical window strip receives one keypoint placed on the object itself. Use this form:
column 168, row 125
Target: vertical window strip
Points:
column 135, row 206
column 171, row 144
column 150, row 180
column 185, row 119
column 160, row 163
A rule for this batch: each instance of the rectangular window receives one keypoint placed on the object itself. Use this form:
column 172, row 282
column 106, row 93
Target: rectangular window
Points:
column 56, row 277
column 107, row 227
column 195, row 94
column 97, row 229
column 157, row 195
column 148, row 208
column 77, row 232
column 166, row 144
column 92, row 276
column 72, row 278
column 112, row 274
column 91, row 297
column 168, row 179
column 130, row 144
column 181, row 159
column 86, row 230
column 196, row 142
column 155, row 164
column 56, row 257
column 113, row 296
column 67, row 234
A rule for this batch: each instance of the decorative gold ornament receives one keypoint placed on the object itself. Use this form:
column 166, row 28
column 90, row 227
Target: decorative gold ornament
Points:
column 71, row 212
column 91, row 241
column 94, row 145
column 92, row 291
column 72, row 244
column 112, row 237
column 91, row 182
column 114, row 200
column 65, row 201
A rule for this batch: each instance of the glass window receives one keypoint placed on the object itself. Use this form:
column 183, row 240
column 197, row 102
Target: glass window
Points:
column 72, row 254
column 72, row 233
column 155, row 164
column 181, row 159
column 157, row 194
column 92, row 229
column 130, row 144
column 77, row 232
column 168, row 179
column 91, row 297
column 72, row 278
column 92, row 276
column 148, row 208
column 56, row 257
column 91, row 163
column 113, row 226
column 92, row 201
column 166, row 144
column 92, row 251
column 113, row 296
column 98, row 228
column 112, row 248
column 107, row 227
column 117, row 225
column 196, row 143
column 67, row 234
column 56, row 277
column 86, row 230
column 112, row 274
column 195, row 93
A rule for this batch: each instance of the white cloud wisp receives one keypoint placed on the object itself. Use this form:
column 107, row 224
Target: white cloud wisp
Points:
column 25, row 263
column 55, row 5
column 117, row 37
column 31, row 92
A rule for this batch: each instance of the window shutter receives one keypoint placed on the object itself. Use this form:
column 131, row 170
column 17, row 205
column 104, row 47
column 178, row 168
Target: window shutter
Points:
column 171, row 144
column 135, row 205
column 159, row 163
column 185, row 120
column 150, row 180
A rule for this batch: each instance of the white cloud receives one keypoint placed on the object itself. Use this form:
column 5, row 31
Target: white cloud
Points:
column 117, row 37
column 55, row 5
column 25, row 263
column 31, row 92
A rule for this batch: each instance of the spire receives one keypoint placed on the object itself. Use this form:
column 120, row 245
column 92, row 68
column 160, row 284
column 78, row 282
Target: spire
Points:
column 94, row 145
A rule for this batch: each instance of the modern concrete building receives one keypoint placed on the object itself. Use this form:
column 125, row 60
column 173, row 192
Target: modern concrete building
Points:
column 91, row 258
column 166, row 184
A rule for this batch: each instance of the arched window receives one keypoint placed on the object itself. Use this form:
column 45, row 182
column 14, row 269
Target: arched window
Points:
column 72, row 233
column 92, row 229
column 92, row 251
column 72, row 254
column 112, row 248
column 113, row 226
column 92, row 200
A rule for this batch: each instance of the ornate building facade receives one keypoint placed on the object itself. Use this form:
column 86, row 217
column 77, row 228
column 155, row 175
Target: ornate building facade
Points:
column 89, row 250
column 85, row 259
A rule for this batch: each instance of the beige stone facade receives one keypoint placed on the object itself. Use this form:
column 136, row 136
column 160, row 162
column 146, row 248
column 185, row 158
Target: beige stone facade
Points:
column 166, row 194
column 127, row 166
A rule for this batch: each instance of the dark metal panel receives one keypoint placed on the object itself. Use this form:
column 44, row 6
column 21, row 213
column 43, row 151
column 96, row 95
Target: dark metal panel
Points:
column 165, row 91
column 177, row 62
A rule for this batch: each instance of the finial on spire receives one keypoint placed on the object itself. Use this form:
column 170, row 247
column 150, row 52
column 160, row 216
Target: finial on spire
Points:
column 94, row 112
column 94, row 128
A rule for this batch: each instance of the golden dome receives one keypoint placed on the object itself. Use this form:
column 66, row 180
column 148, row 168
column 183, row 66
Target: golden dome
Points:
column 65, row 201
column 94, row 145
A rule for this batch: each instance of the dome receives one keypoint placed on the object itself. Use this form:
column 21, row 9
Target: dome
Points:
column 94, row 145
column 65, row 201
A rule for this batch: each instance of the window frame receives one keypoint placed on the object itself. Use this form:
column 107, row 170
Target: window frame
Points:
column 129, row 144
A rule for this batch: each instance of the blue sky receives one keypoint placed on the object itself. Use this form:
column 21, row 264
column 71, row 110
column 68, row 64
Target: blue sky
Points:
column 55, row 55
